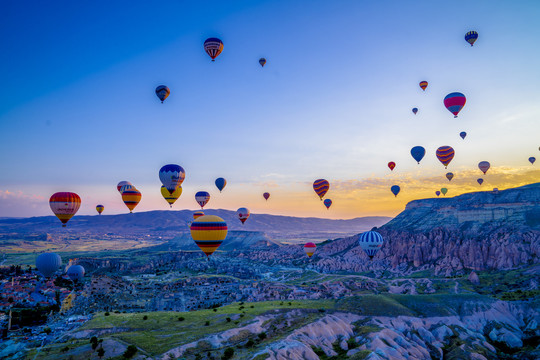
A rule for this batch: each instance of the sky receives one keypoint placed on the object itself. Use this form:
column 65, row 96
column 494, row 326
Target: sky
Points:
column 78, row 110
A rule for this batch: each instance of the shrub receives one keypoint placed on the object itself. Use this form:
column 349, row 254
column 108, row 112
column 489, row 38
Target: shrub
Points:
column 100, row 352
column 207, row 323
column 107, row 313
column 130, row 351
column 181, row 318
column 262, row 336
column 215, row 310
column 250, row 343
column 228, row 353
column 145, row 317
column 65, row 349
column 228, row 319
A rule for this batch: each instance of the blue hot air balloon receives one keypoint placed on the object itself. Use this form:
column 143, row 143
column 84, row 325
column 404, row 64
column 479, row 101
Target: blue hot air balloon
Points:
column 395, row 189
column 47, row 263
column 415, row 110
column 371, row 242
column 221, row 183
column 463, row 134
column 418, row 153
column 172, row 176
column 75, row 272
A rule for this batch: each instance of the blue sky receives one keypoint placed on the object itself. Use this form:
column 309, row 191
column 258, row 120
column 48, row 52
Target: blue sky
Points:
column 79, row 113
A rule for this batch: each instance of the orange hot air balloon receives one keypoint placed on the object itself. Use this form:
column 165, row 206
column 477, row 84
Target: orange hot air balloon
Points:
column 391, row 165
column 423, row 85
column 131, row 198
column 64, row 205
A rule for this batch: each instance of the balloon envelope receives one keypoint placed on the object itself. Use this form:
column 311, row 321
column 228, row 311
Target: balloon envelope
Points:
column 437, row 193
column 171, row 198
column 100, row 208
column 395, row 190
column 75, row 272
column 221, row 183
column 445, row 154
column 266, row 196
column 172, row 176
column 444, row 191
column 197, row 214
column 484, row 166
column 391, row 165
column 262, row 61
column 162, row 92
column 418, row 153
column 449, row 176
column 370, row 242
column 415, row 110
column 471, row 37
column 64, row 205
column 208, row 232
column 463, row 134
column 243, row 214
column 454, row 102
column 480, row 181
column 131, row 198
column 122, row 183
column 127, row 187
column 309, row 249
column 321, row 187
column 202, row 198
column 47, row 263
column 532, row 159
column 423, row 85
column 213, row 47
column 327, row 203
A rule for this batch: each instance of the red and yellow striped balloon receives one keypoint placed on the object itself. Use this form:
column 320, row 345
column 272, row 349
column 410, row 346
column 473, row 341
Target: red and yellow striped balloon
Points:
column 100, row 208
column 131, row 198
column 64, row 205
column 445, row 154
column 321, row 187
column 208, row 232
column 197, row 214
column 309, row 249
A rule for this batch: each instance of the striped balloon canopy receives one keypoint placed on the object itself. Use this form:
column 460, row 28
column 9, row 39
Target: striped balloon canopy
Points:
column 449, row 176
column 202, row 198
column 454, row 102
column 243, row 214
column 371, row 242
column 471, row 37
column 127, row 187
column 208, row 232
column 171, row 198
column 64, row 205
column 445, row 154
column 309, row 249
column 321, row 187
column 122, row 183
column 327, row 203
column 423, row 85
column 100, row 208
column 197, row 214
column 172, row 176
column 213, row 47
column 131, row 198
column 162, row 92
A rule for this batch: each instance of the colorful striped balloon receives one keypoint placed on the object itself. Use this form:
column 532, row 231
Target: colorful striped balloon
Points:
column 423, row 85
column 371, row 242
column 127, row 187
column 64, row 205
column 327, row 203
column 454, row 102
column 309, row 249
column 131, row 198
column 321, row 187
column 202, row 198
column 171, row 198
column 243, row 214
column 445, row 154
column 208, row 232
column 162, row 92
column 449, row 176
column 213, row 47
column 172, row 176
column 471, row 37
column 100, row 208
column 122, row 183
column 197, row 214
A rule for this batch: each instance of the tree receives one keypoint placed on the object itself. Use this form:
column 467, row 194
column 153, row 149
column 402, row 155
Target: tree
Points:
column 47, row 330
column 130, row 351
column 228, row 354
column 100, row 352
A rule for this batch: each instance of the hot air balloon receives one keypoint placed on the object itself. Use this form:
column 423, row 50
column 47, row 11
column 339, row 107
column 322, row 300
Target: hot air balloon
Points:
column 463, row 134
column 64, row 205
column 262, row 61
column 391, row 165
column 172, row 176
column 484, row 166
column 162, row 92
column 454, row 102
column 122, row 183
column 47, row 263
column 131, row 198
column 171, row 198
column 213, row 47
column 423, row 85
column 321, row 187
column 395, row 190
column 532, row 159
column 266, row 196
column 415, row 110
column 444, row 191
column 75, row 273
column 202, row 198
column 100, row 208
column 208, row 232
column 127, row 187
column 243, row 214
column 445, row 154
column 221, row 183
column 197, row 214
column 418, row 153
column 309, row 249
column 471, row 37
column 327, row 203
column 438, row 193
column 449, row 176
column 371, row 242
column 480, row 181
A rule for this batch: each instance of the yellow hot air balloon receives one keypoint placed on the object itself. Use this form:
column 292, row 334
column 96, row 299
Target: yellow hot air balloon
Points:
column 171, row 198
column 131, row 198
column 208, row 232
column 100, row 208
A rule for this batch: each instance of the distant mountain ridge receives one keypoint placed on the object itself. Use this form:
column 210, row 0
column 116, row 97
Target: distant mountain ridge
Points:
column 171, row 222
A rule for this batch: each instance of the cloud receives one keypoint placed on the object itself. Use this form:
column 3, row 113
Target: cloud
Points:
column 18, row 203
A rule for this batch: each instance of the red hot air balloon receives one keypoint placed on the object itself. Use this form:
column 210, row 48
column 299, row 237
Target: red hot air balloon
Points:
column 391, row 165
column 64, row 205
column 454, row 102
column 445, row 154
column 309, row 249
